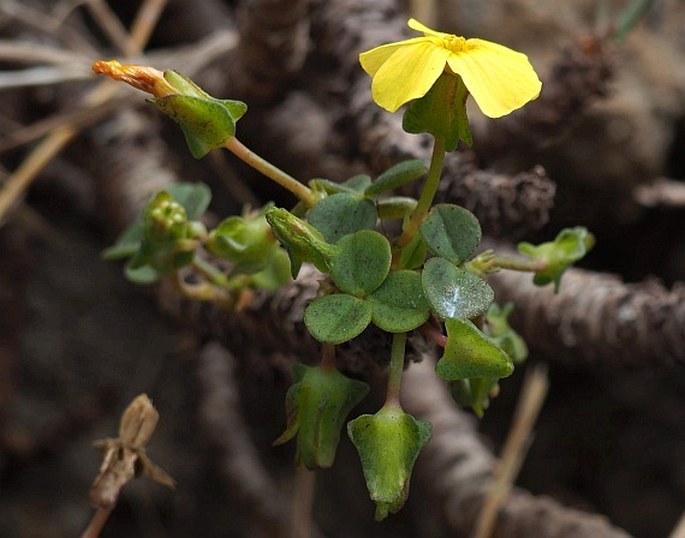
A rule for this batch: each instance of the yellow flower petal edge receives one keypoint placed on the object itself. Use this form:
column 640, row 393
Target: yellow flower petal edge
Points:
column 500, row 79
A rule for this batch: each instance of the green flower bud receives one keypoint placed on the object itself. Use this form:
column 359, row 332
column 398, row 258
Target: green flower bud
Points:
column 388, row 444
column 317, row 405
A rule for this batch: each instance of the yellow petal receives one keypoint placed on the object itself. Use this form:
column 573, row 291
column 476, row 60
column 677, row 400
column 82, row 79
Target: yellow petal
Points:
column 371, row 60
column 499, row 79
column 408, row 74
column 416, row 25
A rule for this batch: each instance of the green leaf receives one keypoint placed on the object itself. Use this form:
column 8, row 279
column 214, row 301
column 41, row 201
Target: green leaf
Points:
column 395, row 207
column 396, row 176
column 341, row 214
column 361, row 262
column 303, row 242
column 471, row 354
column 441, row 112
column 358, row 183
column 355, row 185
column 451, row 232
column 316, row 407
column 388, row 444
column 141, row 275
column 207, row 123
column 334, row 319
column 569, row 246
column 128, row 242
column 398, row 304
column 454, row 292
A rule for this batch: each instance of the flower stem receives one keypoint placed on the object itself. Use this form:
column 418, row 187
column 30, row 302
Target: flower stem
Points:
column 302, row 192
column 433, row 335
column 396, row 368
column 303, row 501
column 328, row 357
column 520, row 264
column 211, row 273
column 427, row 195
column 203, row 292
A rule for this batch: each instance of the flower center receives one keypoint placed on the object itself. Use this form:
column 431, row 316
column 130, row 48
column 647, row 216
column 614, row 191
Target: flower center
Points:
column 454, row 43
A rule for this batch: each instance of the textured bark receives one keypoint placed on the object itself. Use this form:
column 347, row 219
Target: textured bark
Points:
column 239, row 464
column 597, row 318
column 580, row 75
column 273, row 47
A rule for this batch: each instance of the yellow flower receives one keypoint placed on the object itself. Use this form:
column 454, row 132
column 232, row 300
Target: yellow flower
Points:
column 500, row 79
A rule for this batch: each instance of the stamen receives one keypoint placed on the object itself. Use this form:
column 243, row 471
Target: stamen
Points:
column 454, row 43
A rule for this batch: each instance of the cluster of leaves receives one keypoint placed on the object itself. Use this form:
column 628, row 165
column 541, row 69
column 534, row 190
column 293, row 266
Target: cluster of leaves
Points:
column 372, row 280
column 169, row 237
column 431, row 282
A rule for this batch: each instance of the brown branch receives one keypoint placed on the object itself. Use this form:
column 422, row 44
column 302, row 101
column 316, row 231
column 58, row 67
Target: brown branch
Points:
column 239, row 464
column 597, row 318
column 458, row 469
column 274, row 41
column 507, row 206
column 662, row 193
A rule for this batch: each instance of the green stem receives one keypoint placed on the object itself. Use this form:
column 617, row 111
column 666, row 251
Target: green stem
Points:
column 302, row 192
column 519, row 264
column 396, row 369
column 427, row 195
column 211, row 273
column 203, row 292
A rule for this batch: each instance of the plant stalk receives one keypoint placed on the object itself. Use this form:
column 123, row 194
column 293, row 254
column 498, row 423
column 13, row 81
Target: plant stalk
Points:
column 302, row 192
column 328, row 357
column 396, row 369
column 520, row 264
column 427, row 195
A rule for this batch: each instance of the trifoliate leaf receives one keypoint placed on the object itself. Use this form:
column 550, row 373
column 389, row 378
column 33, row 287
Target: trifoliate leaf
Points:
column 569, row 246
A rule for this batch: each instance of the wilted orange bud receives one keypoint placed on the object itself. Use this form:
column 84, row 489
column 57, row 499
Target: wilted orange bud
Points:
column 142, row 77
